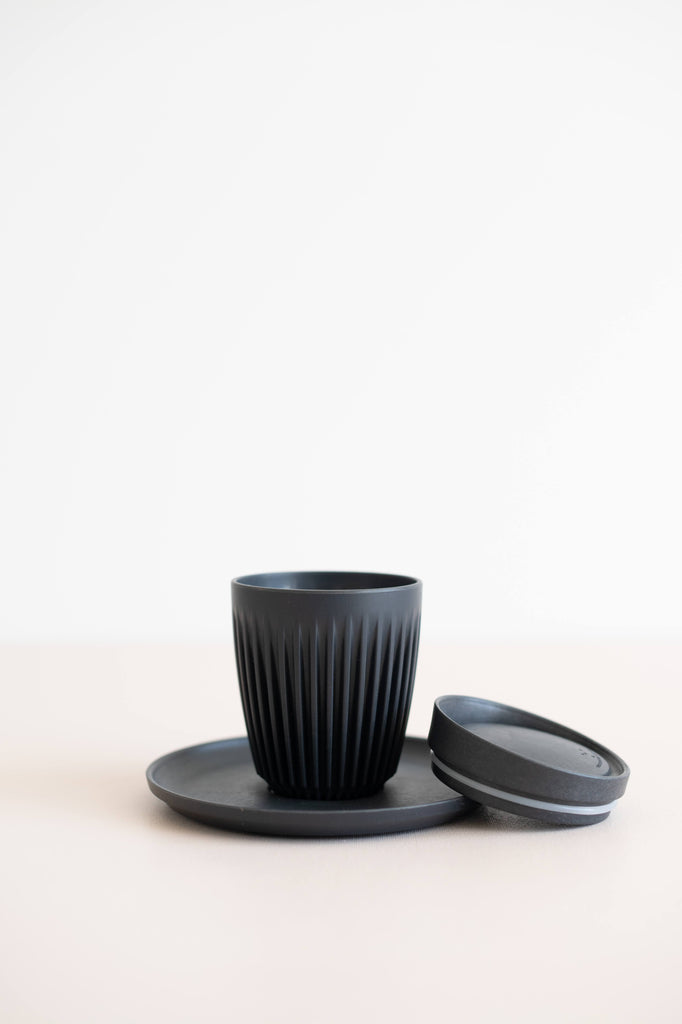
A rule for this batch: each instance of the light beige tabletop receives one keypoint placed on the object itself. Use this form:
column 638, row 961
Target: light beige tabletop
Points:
column 115, row 909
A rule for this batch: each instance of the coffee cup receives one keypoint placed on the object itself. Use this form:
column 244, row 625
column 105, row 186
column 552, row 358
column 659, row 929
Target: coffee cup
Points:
column 326, row 664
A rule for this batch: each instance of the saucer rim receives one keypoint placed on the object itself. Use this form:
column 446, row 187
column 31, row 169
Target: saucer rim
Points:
column 311, row 818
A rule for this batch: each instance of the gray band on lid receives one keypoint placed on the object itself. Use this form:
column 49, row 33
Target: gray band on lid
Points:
column 525, row 801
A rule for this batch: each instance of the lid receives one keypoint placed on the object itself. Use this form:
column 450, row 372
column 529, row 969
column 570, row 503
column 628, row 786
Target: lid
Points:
column 507, row 758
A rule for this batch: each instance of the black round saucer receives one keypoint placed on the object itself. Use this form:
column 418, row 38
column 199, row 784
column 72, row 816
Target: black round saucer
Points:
column 216, row 783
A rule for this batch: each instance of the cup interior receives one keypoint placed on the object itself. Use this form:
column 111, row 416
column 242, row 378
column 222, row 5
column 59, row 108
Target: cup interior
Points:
column 326, row 581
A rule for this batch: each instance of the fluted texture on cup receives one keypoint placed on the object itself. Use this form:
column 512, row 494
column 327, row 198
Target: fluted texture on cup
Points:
column 326, row 703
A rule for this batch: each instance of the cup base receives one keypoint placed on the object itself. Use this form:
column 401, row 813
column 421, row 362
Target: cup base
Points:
column 315, row 794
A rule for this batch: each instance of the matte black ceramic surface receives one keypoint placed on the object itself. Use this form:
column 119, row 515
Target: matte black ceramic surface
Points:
column 326, row 664
column 216, row 783
column 511, row 759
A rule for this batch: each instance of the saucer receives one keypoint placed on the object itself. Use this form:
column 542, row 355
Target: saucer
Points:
column 216, row 783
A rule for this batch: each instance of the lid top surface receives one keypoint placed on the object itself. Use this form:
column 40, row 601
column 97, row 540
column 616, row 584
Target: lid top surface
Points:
column 529, row 737
column 544, row 747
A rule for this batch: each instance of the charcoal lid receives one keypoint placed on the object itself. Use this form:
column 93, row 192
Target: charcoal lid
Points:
column 517, row 761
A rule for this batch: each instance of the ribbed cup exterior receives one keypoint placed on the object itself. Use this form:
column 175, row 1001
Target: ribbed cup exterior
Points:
column 326, row 682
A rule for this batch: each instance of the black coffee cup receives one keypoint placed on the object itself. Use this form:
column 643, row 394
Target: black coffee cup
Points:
column 326, row 664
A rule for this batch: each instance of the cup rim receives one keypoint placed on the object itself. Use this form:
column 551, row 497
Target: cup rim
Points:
column 251, row 582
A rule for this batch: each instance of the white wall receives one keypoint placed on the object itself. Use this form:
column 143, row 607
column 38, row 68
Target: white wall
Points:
column 389, row 286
